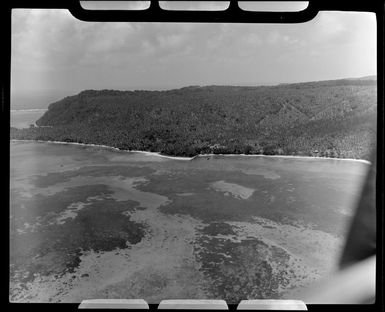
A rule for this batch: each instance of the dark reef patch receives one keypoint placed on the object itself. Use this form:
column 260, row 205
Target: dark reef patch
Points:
column 91, row 171
column 287, row 200
column 44, row 209
column 247, row 269
column 55, row 249
column 218, row 228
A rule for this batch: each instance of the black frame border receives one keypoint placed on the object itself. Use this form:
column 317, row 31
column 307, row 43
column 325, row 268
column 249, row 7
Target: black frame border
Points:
column 233, row 14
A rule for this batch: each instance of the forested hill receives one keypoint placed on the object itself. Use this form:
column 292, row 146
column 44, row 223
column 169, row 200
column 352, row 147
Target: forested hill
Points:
column 335, row 118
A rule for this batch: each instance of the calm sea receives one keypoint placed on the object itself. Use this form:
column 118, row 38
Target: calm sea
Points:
column 23, row 118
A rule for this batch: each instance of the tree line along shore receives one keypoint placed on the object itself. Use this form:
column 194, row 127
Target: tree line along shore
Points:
column 335, row 118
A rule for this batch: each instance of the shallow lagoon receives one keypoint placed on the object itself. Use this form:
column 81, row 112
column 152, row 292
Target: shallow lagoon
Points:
column 89, row 222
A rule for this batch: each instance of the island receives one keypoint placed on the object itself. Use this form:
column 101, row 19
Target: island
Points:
column 333, row 118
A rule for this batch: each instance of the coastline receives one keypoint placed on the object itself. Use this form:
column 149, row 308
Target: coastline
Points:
column 196, row 156
column 29, row 110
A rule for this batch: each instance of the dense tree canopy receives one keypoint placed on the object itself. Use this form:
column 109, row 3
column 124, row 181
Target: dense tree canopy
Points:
column 334, row 118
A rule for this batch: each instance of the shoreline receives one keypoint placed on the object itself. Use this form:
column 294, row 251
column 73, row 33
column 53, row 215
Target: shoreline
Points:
column 191, row 158
column 29, row 110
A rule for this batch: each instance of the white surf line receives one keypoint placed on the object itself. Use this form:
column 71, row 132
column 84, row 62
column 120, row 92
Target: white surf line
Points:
column 196, row 156
column 67, row 143
column 287, row 156
column 30, row 110
column 160, row 155
column 107, row 147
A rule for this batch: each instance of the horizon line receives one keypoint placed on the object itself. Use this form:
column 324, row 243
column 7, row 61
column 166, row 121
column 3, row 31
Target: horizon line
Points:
column 265, row 84
column 169, row 88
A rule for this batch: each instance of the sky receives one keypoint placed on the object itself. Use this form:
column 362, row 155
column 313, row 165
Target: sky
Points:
column 54, row 52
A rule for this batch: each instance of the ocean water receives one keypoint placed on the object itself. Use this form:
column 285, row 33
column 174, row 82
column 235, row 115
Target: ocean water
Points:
column 23, row 118
column 90, row 222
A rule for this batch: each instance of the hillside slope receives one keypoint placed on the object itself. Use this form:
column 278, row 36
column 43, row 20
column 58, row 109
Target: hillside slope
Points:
column 335, row 118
